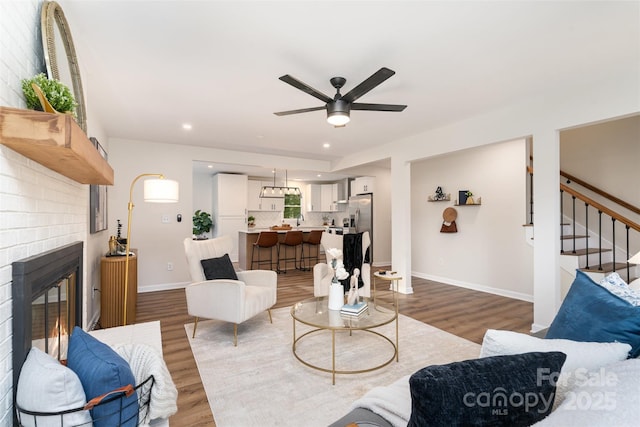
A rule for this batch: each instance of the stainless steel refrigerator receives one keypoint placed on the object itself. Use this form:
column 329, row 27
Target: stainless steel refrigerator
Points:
column 361, row 217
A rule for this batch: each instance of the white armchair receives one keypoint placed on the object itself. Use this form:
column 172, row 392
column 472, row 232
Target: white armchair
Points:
column 224, row 299
column 323, row 274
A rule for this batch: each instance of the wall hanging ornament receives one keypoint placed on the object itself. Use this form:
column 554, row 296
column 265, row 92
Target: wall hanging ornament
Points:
column 449, row 224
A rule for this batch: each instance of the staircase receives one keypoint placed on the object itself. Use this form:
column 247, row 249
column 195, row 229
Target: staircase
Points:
column 590, row 229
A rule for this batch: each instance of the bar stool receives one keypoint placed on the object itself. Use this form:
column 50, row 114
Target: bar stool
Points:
column 291, row 239
column 266, row 239
column 312, row 239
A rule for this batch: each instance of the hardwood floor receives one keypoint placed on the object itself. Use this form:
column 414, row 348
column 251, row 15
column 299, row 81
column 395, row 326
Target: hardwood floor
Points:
column 460, row 311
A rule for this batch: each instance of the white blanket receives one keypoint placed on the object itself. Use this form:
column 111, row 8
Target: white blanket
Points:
column 392, row 402
column 605, row 397
column 145, row 361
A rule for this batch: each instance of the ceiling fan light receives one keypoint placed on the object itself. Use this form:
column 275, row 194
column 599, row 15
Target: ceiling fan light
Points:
column 338, row 118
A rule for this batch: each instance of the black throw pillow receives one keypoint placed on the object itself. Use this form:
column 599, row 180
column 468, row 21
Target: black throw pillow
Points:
column 218, row 268
column 515, row 390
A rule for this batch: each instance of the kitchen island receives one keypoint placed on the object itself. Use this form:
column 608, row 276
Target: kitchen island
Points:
column 246, row 239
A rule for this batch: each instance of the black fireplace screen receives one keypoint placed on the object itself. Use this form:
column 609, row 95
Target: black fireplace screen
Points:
column 47, row 302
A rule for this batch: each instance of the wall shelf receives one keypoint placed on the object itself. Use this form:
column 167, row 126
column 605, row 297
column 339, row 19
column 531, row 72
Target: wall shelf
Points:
column 56, row 142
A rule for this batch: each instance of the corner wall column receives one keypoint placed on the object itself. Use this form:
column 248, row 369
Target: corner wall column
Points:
column 401, row 222
column 546, row 250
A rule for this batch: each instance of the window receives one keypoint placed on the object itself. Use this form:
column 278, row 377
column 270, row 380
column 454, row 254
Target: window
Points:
column 292, row 205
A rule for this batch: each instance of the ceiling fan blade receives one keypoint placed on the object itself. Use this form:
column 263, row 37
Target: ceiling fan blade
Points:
column 377, row 107
column 302, row 110
column 305, row 88
column 378, row 77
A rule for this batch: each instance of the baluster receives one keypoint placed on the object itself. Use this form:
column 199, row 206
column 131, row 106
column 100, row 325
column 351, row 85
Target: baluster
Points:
column 586, row 226
column 561, row 221
column 531, row 197
column 573, row 220
column 599, row 239
column 628, row 255
column 613, row 232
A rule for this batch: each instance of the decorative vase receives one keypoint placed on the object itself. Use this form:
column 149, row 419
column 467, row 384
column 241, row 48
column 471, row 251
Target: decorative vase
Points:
column 336, row 295
column 470, row 201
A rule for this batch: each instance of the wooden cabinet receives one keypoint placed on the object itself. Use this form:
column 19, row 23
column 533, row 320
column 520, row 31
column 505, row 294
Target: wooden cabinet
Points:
column 364, row 184
column 255, row 203
column 112, row 274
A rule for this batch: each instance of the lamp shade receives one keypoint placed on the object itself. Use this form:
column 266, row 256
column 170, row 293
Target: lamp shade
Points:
column 161, row 191
column 634, row 259
column 338, row 118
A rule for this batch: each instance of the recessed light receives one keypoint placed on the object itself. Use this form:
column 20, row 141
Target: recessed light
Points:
column 326, row 145
column 187, row 126
column 210, row 166
column 319, row 175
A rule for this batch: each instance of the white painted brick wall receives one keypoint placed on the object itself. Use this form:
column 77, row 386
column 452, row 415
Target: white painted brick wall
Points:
column 39, row 209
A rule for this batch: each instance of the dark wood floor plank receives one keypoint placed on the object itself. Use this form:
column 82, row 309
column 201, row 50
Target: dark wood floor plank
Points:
column 460, row 311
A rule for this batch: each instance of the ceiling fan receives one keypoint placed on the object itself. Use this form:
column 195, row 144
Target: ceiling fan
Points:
column 339, row 107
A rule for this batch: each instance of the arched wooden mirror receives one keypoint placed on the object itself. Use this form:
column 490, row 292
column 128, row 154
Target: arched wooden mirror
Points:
column 56, row 37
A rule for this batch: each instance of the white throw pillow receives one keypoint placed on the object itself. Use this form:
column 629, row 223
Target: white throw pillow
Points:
column 45, row 385
column 580, row 355
column 617, row 286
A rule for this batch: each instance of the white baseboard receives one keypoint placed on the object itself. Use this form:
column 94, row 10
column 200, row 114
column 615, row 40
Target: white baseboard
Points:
column 162, row 287
column 475, row 287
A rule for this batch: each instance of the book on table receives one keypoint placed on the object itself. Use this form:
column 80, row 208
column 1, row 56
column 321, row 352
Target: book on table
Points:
column 354, row 309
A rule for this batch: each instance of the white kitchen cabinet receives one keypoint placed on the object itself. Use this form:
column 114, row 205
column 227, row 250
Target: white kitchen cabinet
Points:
column 229, row 194
column 229, row 205
column 329, row 197
column 363, row 184
column 314, row 198
column 322, row 197
column 256, row 203
column 253, row 195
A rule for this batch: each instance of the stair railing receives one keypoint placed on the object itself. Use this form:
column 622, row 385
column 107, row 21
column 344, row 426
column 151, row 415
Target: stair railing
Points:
column 602, row 210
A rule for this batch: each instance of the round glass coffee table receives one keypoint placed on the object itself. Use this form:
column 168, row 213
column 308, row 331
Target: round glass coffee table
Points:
column 315, row 313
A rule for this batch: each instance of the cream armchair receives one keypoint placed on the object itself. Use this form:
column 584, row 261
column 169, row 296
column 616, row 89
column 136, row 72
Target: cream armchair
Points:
column 323, row 274
column 223, row 299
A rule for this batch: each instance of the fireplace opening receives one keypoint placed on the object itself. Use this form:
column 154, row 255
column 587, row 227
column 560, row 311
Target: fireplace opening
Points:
column 47, row 303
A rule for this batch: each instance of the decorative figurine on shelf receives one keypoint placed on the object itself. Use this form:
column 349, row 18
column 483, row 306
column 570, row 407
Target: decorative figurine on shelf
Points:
column 469, row 195
column 354, row 297
column 439, row 194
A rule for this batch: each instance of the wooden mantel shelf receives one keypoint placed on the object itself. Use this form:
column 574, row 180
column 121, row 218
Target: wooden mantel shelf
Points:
column 55, row 141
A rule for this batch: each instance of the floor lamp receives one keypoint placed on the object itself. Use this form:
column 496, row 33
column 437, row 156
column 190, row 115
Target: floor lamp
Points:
column 158, row 190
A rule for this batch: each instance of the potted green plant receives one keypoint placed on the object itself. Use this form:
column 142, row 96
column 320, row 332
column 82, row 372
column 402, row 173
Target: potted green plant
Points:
column 202, row 223
column 56, row 94
column 251, row 221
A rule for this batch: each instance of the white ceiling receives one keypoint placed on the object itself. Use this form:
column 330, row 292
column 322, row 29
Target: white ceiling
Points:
column 150, row 66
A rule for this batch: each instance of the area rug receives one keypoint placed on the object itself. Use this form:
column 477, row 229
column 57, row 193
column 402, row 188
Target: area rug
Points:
column 261, row 383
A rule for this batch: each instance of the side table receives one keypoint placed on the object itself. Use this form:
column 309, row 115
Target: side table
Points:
column 112, row 271
column 393, row 279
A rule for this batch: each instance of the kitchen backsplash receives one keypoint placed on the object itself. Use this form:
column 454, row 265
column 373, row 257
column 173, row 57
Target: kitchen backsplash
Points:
column 311, row 219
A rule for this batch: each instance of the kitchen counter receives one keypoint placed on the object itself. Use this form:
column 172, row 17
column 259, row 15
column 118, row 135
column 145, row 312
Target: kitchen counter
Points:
column 246, row 239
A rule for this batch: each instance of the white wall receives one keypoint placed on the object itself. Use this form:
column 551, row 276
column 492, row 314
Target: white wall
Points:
column 489, row 251
column 39, row 209
column 160, row 243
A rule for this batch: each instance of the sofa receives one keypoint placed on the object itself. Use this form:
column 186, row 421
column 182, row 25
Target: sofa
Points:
column 584, row 372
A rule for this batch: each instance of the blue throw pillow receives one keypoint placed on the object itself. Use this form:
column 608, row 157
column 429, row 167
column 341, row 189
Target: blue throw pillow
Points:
column 514, row 390
column 590, row 313
column 102, row 370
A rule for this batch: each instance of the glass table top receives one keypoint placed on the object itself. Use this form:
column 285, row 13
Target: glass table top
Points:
column 315, row 312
